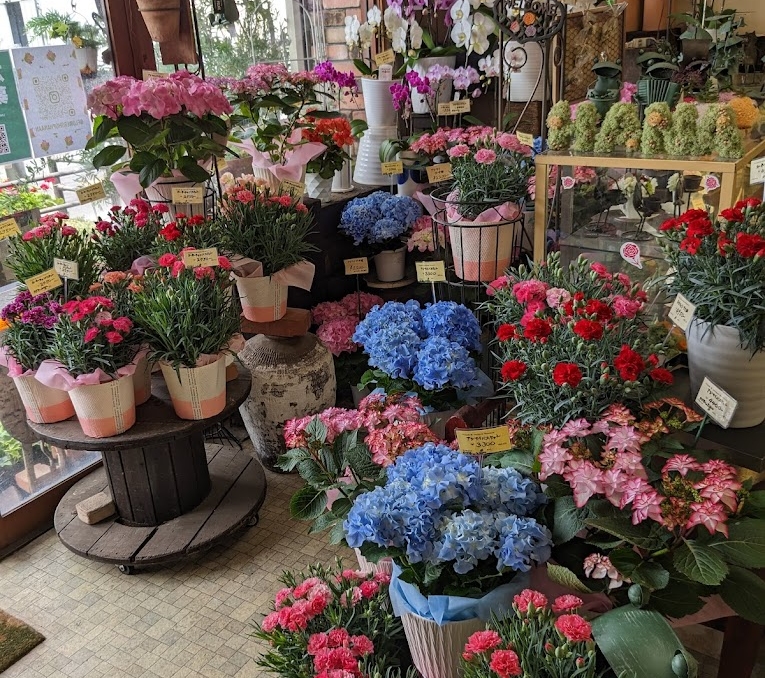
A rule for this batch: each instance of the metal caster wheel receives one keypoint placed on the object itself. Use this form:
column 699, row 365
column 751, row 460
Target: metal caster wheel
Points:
column 253, row 520
column 126, row 569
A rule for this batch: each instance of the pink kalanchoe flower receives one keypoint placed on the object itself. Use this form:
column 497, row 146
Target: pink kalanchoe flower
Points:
column 708, row 514
column 566, row 603
column 681, row 463
column 585, row 480
column 597, row 566
column 647, row 505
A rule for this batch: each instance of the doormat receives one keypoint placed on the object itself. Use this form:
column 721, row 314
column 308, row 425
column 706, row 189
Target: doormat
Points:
column 16, row 639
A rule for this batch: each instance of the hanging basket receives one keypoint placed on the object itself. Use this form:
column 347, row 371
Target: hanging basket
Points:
column 162, row 18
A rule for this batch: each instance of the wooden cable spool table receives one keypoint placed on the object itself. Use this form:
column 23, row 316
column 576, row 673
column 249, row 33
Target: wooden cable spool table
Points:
column 172, row 496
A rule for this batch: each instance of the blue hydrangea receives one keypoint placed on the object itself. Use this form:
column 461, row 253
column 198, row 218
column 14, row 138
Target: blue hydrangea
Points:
column 442, row 363
column 466, row 538
column 522, row 543
column 506, row 488
column 394, row 350
column 379, row 217
column 453, row 321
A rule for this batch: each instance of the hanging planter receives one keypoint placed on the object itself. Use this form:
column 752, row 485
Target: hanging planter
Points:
column 162, row 18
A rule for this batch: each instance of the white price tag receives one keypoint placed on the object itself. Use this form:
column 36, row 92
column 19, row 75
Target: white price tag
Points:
column 757, row 171
column 718, row 404
column 67, row 269
column 682, row 312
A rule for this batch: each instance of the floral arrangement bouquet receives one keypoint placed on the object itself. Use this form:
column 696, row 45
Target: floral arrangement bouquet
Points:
column 430, row 88
column 572, row 341
column 128, row 233
column 26, row 197
column 330, row 622
column 422, row 238
column 342, row 454
column 174, row 125
column 33, row 253
column 426, row 351
column 335, row 134
column 379, row 220
column 452, row 527
column 184, row 231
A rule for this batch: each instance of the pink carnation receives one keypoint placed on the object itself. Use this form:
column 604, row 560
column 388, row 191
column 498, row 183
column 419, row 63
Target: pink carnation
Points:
column 529, row 597
column 480, row 642
column 574, row 628
column 530, row 290
column 459, row 151
column 485, row 156
column 566, row 603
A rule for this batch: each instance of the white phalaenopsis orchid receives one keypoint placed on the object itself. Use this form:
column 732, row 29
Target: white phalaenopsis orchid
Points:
column 460, row 11
column 482, row 28
column 489, row 65
column 415, row 34
column 366, row 35
column 398, row 39
column 352, row 26
column 393, row 20
column 477, row 3
column 374, row 16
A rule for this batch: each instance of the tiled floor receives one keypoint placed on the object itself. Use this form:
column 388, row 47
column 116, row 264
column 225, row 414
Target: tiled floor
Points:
column 190, row 620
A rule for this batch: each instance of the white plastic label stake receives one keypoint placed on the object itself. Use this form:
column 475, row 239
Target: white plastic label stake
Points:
column 630, row 252
column 757, row 171
column 718, row 404
column 682, row 312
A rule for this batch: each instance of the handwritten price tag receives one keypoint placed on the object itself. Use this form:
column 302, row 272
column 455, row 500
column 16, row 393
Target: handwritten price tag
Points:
column 385, row 72
column 430, row 271
column 207, row 257
column 386, row 57
column 525, row 139
column 188, row 196
column 43, row 282
column 437, row 173
column 757, row 171
column 148, row 75
column 357, row 266
column 9, row 227
column 294, row 188
column 682, row 312
column 718, row 404
column 91, row 193
column 67, row 269
column 396, row 167
column 483, row 440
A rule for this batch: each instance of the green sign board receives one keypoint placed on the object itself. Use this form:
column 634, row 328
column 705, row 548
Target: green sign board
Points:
column 14, row 136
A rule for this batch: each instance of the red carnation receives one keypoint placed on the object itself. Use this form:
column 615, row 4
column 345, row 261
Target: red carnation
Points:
column 513, row 370
column 567, row 374
column 537, row 329
column 662, row 376
column 749, row 202
column 506, row 332
column 691, row 245
column 749, row 244
column 599, row 309
column 588, row 329
column 573, row 627
column 629, row 363
column 700, row 228
column 670, row 225
column 732, row 214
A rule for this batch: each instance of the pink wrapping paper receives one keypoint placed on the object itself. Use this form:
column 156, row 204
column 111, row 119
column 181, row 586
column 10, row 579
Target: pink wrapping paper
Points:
column 15, row 368
column 142, row 264
column 129, row 186
column 52, row 373
column 507, row 211
column 298, row 275
column 295, row 160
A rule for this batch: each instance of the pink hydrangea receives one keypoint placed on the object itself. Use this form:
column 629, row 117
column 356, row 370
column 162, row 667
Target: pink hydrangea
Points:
column 585, row 480
column 598, row 566
column 337, row 335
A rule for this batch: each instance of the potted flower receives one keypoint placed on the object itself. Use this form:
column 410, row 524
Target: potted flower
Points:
column 454, row 537
column 482, row 204
column 184, row 231
column 191, row 347
column 572, row 341
column 424, row 351
column 94, row 360
column 27, row 342
column 172, row 124
column 422, row 237
column 268, row 233
column 718, row 266
column 86, row 39
column 381, row 221
column 335, row 135
column 128, row 233
column 33, row 253
column 331, row 621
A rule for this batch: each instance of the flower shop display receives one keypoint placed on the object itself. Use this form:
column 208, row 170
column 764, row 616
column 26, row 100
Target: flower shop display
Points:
column 572, row 341
column 128, row 233
column 459, row 536
column 93, row 359
column 335, row 135
column 269, row 236
column 428, row 351
column 629, row 184
column 342, row 454
column 560, row 129
column 33, row 253
column 183, row 231
column 422, row 237
column 381, row 222
column 26, row 343
column 190, row 346
column 329, row 622
column 593, row 194
column 173, row 125
column 621, row 128
column 718, row 266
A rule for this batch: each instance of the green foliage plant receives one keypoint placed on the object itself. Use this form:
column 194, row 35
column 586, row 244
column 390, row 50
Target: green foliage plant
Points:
column 657, row 120
column 560, row 129
column 728, row 141
column 706, row 129
column 621, row 127
column 24, row 198
column 585, row 127
column 680, row 137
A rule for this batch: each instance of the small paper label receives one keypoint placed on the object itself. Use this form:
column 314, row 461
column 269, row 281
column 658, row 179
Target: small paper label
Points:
column 430, row 271
column 357, row 266
column 396, row 167
column 440, row 172
column 697, row 202
column 525, row 139
column 206, row 257
column 91, row 193
column 43, row 282
column 148, row 75
column 385, row 72
column 294, row 188
column 567, row 183
column 757, row 171
column 483, row 440
column 682, row 312
column 9, row 227
column 630, row 252
column 445, row 108
column 67, row 269
column 710, row 182
column 718, row 404
column 386, row 57
column 194, row 195
column 460, row 106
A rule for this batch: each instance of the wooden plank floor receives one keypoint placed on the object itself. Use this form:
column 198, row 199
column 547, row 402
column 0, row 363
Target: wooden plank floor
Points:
column 238, row 491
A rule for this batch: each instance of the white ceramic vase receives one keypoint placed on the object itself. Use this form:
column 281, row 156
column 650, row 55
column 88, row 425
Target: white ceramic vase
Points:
column 318, row 187
column 391, row 265
column 717, row 354
column 628, row 209
column 421, row 66
column 381, row 118
column 378, row 102
column 341, row 183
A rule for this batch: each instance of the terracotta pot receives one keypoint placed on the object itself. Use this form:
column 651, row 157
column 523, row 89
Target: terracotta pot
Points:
column 162, row 18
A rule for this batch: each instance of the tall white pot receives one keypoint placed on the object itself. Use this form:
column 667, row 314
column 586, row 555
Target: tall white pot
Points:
column 381, row 118
column 421, row 66
column 718, row 354
column 378, row 102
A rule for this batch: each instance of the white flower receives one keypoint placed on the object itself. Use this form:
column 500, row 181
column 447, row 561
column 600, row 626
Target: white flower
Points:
column 393, row 20
column 673, row 182
column 398, row 39
column 626, row 184
column 415, row 34
column 461, row 32
column 483, row 26
column 366, row 35
column 460, row 11
column 351, row 31
column 374, row 16
column 489, row 65
column 477, row 3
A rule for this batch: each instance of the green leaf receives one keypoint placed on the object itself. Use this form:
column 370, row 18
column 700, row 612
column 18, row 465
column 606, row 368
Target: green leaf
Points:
column 136, row 132
column 625, row 560
column 323, row 522
column 373, row 552
column 312, row 473
column 192, row 170
column 754, row 504
column 650, row 575
column 567, row 520
column 152, row 171
column 679, row 598
column 745, row 545
column 744, row 591
column 362, row 67
column 337, row 534
column 316, row 430
column 471, row 120
column 432, row 573
column 101, row 131
column 519, row 460
column 699, row 563
column 565, row 577
column 427, row 39
column 108, row 155
column 643, row 536
column 308, row 503
column 288, row 462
